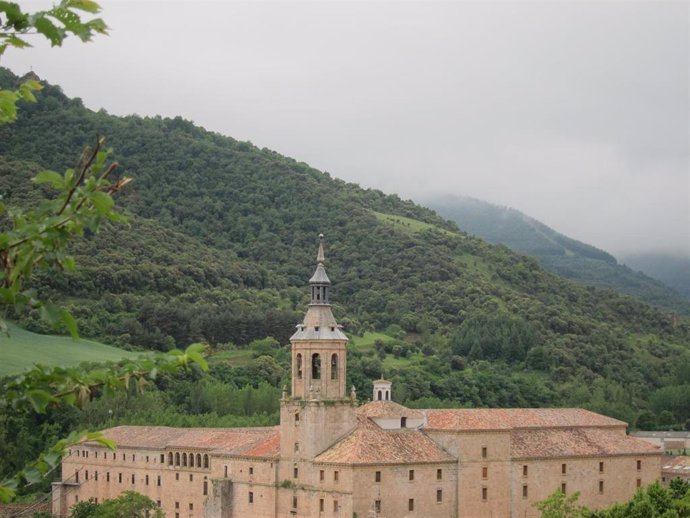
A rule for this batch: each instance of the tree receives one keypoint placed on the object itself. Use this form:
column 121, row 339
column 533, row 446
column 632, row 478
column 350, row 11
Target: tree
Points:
column 558, row 505
column 129, row 504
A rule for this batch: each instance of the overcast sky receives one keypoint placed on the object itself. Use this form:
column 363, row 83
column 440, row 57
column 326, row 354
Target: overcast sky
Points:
column 575, row 113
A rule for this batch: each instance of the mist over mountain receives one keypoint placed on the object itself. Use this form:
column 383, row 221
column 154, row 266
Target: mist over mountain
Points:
column 566, row 256
column 672, row 270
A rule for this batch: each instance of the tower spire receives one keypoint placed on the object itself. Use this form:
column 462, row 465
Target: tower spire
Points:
column 320, row 258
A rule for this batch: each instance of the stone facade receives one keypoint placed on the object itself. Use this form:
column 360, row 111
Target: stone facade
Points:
column 332, row 457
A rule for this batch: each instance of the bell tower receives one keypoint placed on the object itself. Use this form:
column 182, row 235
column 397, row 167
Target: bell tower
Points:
column 319, row 408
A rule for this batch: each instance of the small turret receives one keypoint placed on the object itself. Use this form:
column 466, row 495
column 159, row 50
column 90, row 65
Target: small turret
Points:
column 382, row 390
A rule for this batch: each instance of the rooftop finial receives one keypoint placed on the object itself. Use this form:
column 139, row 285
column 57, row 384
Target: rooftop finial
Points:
column 320, row 258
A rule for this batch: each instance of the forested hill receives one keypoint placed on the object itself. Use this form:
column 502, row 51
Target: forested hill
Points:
column 558, row 253
column 222, row 242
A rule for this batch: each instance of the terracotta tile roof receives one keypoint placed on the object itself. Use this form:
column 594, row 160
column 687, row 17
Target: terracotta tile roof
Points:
column 387, row 409
column 576, row 442
column 468, row 419
column 676, row 465
column 370, row 444
column 253, row 442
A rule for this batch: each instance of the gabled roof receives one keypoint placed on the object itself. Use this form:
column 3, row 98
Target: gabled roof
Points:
column 468, row 419
column 388, row 409
column 244, row 442
column 576, row 442
column 370, row 444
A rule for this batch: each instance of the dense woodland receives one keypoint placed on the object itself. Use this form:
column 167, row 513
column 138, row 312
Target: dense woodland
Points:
column 221, row 242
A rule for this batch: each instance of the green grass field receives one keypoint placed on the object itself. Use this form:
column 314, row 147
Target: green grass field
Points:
column 23, row 348
column 409, row 225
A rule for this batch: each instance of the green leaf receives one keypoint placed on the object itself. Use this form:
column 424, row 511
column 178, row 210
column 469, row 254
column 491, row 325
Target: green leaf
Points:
column 70, row 323
column 39, row 399
column 48, row 29
column 51, row 177
column 32, row 475
column 102, row 201
column 84, row 5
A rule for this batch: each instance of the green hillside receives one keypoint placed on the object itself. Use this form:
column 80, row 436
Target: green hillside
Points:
column 21, row 349
column 222, row 239
column 672, row 270
column 565, row 256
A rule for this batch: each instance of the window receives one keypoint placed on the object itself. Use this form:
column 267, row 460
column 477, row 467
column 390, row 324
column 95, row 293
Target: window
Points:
column 321, row 505
column 564, row 487
column 225, row 472
column 251, row 497
column 205, row 487
column 124, row 457
column 410, row 504
column 119, row 478
column 158, row 503
column 564, row 469
column 146, row 479
column 296, row 418
column 191, row 477
column 191, row 460
column 524, row 491
column 294, row 502
column 170, row 458
column 335, row 506
column 403, row 422
column 639, row 465
column 322, row 475
column 439, row 474
column 198, row 460
column 177, row 476
column 315, row 366
column 86, row 475
column 296, row 447
column 133, row 457
column 377, row 476
column 485, row 472
column 601, row 467
column 411, row 474
column 484, row 452
column 299, row 366
column 485, row 494
column 162, row 458
column 439, row 495
column 132, row 478
column 184, row 459
column 191, row 506
column 377, row 506
column 601, row 486
column 524, row 470
column 177, row 505
column 251, row 470
column 380, row 396
column 336, row 476
column 107, row 476
column 177, row 459
column 206, row 461
column 76, row 477
column 334, row 366
column 639, row 482
column 158, row 480
column 295, row 472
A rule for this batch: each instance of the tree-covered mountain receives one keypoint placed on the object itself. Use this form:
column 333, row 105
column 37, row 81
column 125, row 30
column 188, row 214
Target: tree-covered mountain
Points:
column 672, row 270
column 566, row 256
column 222, row 240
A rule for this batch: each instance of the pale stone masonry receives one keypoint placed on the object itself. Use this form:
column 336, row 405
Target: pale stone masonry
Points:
column 332, row 457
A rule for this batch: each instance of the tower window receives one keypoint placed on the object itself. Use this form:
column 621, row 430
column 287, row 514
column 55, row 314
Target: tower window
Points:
column 296, row 418
column 524, row 470
column 380, row 396
column 315, row 366
column 403, row 422
column 601, row 486
column 377, row 506
column 336, row 476
column 439, row 495
column 377, row 477
column 439, row 474
column 525, row 491
column 563, row 487
column 485, row 494
column 601, row 467
column 410, row 504
column 321, row 505
column 485, row 472
column 411, row 474
column 485, row 452
column 639, row 465
column 334, row 367
column 299, row 366
column 564, row 468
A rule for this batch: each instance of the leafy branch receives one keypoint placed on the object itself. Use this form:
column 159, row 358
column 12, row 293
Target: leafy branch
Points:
column 43, row 387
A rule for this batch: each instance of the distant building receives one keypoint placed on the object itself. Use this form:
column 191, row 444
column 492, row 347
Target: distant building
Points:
column 332, row 457
column 668, row 441
column 675, row 467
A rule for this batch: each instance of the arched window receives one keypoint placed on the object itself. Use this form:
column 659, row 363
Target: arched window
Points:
column 191, row 460
column 177, row 459
column 299, row 366
column 206, row 461
column 184, row 459
column 198, row 460
column 315, row 366
column 387, row 395
column 380, row 396
column 334, row 366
